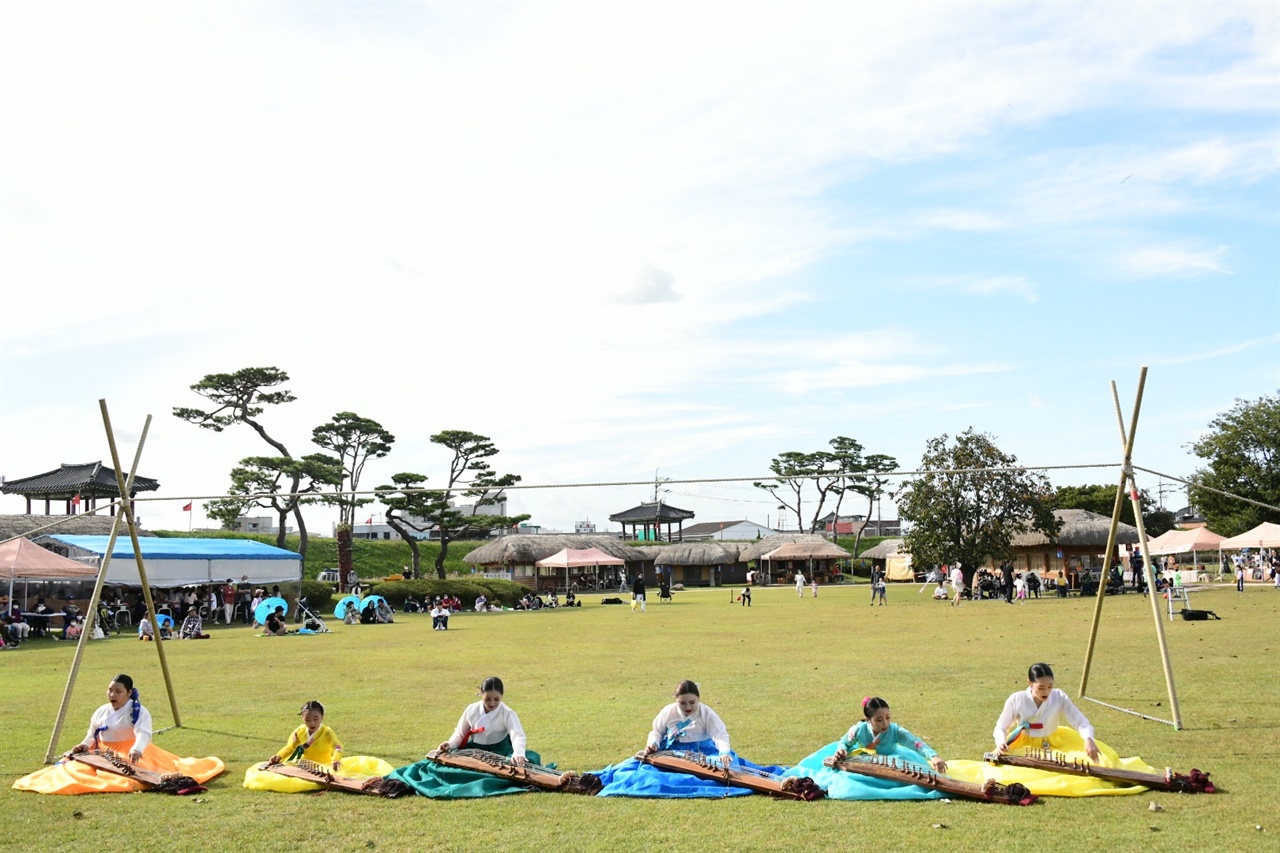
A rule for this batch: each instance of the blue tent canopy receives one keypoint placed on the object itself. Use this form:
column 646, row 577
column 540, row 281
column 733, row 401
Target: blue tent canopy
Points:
column 176, row 562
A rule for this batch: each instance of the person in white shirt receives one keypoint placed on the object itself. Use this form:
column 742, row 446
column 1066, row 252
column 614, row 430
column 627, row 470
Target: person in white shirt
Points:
column 957, row 583
column 1035, row 713
column 800, row 584
column 489, row 725
column 688, row 721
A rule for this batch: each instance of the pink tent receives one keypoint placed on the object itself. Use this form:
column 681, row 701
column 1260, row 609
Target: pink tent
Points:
column 22, row 559
column 1265, row 535
column 568, row 558
column 1183, row 541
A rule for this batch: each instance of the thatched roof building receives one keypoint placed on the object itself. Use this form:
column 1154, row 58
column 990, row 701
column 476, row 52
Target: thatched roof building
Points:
column 760, row 547
column 693, row 554
column 699, row 563
column 1080, row 529
column 887, row 548
column 780, row 556
column 516, row 556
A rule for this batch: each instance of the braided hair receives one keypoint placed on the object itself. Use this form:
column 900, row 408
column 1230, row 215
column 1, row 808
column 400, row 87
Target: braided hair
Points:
column 127, row 683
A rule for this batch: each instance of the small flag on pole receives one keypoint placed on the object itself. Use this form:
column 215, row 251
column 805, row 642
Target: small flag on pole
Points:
column 370, row 521
column 187, row 508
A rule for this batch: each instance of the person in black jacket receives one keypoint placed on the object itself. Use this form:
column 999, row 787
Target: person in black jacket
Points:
column 637, row 592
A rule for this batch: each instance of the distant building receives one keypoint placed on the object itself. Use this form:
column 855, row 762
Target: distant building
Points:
column 376, row 528
column 1188, row 517
column 740, row 529
column 583, row 527
column 647, row 519
column 258, row 524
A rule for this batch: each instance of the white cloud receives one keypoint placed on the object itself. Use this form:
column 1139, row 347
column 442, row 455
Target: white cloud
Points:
column 1173, row 260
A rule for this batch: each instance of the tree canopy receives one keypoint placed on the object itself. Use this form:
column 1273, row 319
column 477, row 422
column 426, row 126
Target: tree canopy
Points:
column 412, row 507
column 355, row 440
column 963, row 509
column 827, row 475
column 1242, row 452
column 261, row 480
column 1101, row 499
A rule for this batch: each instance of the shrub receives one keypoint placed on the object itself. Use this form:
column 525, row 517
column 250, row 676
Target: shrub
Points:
column 319, row 595
column 505, row 593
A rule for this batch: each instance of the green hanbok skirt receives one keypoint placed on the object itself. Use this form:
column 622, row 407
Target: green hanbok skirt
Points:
column 439, row 782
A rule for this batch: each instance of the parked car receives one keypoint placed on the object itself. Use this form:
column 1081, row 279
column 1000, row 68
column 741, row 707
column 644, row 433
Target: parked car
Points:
column 328, row 576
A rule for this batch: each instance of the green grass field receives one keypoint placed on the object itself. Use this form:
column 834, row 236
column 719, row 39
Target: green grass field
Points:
column 786, row 675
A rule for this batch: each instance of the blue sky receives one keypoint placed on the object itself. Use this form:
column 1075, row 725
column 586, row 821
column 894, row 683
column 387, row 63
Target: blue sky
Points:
column 637, row 240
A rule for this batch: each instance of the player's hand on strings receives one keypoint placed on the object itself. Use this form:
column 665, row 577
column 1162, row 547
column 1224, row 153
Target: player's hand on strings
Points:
column 938, row 764
column 1091, row 749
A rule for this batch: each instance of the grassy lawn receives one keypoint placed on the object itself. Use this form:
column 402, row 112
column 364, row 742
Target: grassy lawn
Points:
column 786, row 675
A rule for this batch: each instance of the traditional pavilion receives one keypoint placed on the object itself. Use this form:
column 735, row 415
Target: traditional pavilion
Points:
column 646, row 521
column 77, row 487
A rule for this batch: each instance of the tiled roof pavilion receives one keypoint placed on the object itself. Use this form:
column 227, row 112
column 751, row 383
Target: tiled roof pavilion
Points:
column 89, row 480
column 651, row 516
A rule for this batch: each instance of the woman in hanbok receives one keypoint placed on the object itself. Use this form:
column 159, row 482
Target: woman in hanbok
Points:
column 1033, row 719
column 684, row 726
column 488, row 724
column 123, row 726
column 314, row 742
column 875, row 734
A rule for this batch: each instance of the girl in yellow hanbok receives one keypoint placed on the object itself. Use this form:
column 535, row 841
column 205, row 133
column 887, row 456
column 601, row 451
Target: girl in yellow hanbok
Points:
column 317, row 743
column 1033, row 719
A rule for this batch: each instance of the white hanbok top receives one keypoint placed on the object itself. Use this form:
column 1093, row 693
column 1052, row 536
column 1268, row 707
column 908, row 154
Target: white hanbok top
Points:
column 497, row 724
column 1043, row 720
column 672, row 725
column 118, row 726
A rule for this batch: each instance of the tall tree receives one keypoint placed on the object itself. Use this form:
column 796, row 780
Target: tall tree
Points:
column 871, row 485
column 471, row 477
column 963, row 510
column 261, row 481
column 407, row 505
column 1242, row 449
column 239, row 398
column 1101, row 499
column 827, row 474
column 355, row 440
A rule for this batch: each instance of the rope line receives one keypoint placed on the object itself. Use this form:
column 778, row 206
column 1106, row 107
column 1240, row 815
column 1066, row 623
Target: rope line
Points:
column 1209, row 489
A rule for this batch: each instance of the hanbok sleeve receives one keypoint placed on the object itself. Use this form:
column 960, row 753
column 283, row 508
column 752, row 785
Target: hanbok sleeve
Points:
column 289, row 747
column 336, row 745
column 1078, row 720
column 461, row 730
column 1008, row 717
column 142, row 730
column 99, row 716
column 850, row 739
column 907, row 739
column 518, row 740
column 716, row 730
column 659, row 729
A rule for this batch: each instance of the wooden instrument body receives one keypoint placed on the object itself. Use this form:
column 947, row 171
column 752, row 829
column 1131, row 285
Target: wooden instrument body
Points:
column 887, row 767
column 112, row 762
column 1195, row 782
column 310, row 771
column 699, row 765
column 529, row 775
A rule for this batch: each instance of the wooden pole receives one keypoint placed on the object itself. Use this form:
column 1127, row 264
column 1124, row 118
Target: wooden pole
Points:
column 1127, row 441
column 1127, row 479
column 126, row 508
column 93, row 609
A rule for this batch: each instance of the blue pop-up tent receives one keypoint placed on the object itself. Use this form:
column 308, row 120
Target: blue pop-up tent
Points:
column 178, row 562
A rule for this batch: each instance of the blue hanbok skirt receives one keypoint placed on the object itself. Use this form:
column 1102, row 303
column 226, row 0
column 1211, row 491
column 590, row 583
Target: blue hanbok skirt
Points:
column 633, row 778
column 843, row 785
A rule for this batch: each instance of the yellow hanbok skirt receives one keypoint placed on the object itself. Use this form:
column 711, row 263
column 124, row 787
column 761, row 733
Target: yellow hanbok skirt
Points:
column 259, row 778
column 73, row 777
column 1044, row 783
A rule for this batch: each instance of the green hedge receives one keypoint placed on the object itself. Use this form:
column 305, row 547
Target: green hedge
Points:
column 502, row 592
column 319, row 595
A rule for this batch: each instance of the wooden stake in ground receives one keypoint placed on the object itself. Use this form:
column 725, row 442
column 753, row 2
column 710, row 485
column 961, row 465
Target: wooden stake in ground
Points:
column 1129, row 483
column 85, row 635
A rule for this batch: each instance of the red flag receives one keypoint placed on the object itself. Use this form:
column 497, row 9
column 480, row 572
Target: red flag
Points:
column 370, row 521
column 75, row 501
column 187, row 508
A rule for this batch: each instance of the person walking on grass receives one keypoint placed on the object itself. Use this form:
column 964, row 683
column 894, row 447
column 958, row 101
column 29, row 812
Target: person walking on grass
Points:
column 957, row 583
column 800, row 584
column 637, row 592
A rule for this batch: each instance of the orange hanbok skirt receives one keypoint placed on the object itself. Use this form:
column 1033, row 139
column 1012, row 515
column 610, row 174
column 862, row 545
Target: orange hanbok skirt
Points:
column 73, row 777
